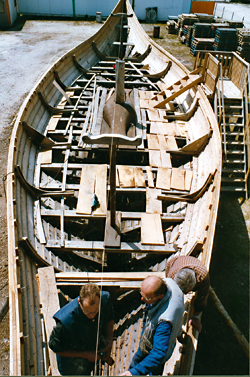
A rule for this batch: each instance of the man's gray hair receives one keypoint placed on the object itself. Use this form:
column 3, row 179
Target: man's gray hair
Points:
column 185, row 279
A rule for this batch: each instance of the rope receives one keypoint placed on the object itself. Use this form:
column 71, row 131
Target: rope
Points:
column 99, row 317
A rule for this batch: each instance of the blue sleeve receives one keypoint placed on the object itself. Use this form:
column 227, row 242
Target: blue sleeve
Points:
column 158, row 352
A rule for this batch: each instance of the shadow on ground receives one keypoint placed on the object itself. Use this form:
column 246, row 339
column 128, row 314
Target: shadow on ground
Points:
column 218, row 351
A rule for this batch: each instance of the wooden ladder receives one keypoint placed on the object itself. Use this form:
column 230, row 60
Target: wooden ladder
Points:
column 234, row 170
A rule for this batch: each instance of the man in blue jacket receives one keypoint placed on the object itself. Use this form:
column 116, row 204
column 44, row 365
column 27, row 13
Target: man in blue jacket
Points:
column 74, row 339
column 162, row 324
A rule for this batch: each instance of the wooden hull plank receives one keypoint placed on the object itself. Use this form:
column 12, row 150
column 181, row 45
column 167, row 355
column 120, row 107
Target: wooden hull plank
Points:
column 86, row 192
column 153, row 205
column 101, row 190
column 112, row 235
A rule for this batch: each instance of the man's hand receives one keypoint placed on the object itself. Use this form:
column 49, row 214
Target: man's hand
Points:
column 127, row 373
column 195, row 322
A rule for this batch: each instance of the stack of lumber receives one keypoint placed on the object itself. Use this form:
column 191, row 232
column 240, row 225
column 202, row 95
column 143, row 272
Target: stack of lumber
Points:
column 225, row 39
column 172, row 25
column 243, row 48
column 235, row 24
column 185, row 19
column 201, row 44
column 204, row 17
column 188, row 32
column 216, row 25
column 202, row 30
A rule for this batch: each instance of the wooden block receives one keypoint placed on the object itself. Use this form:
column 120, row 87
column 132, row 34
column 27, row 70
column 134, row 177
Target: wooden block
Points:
column 155, row 158
column 163, row 178
column 152, row 114
column 150, row 176
column 178, row 179
column 53, row 122
column 188, row 179
column 165, row 159
column 126, row 176
column 112, row 235
column 139, row 177
column 50, row 305
column 153, row 205
column 101, row 189
column 153, row 142
column 151, row 229
column 171, row 143
column 46, row 157
column 86, row 191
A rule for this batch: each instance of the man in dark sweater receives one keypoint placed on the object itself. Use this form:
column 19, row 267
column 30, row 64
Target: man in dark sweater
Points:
column 81, row 336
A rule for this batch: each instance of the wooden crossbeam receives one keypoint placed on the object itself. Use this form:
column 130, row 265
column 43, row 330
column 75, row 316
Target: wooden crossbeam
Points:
column 128, row 280
column 126, row 247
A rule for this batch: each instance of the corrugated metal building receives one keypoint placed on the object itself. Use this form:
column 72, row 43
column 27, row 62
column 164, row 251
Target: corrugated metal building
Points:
column 8, row 13
column 151, row 10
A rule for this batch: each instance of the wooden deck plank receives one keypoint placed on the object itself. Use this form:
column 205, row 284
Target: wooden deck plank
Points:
column 101, row 189
column 178, row 179
column 151, row 229
column 126, row 176
column 165, row 159
column 155, row 158
column 163, row 128
column 150, row 176
column 188, row 179
column 152, row 114
column 163, row 178
column 153, row 142
column 171, row 143
column 86, row 191
column 139, row 177
column 112, row 235
column 153, row 205
column 46, row 157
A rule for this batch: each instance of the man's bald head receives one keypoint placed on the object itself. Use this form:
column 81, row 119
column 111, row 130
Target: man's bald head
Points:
column 153, row 287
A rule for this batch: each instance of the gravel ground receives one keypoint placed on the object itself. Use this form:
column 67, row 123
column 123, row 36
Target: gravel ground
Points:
column 26, row 52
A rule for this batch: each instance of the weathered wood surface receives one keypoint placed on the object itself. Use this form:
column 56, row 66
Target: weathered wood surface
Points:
column 50, row 305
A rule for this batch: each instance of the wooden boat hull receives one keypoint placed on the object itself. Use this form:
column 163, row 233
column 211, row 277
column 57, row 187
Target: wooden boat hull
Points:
column 29, row 161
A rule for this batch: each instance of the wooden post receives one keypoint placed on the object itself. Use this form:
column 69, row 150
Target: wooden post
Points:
column 120, row 75
column 112, row 181
column 236, row 332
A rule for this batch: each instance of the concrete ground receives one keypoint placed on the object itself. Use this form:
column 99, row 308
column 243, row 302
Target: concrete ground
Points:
column 25, row 53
